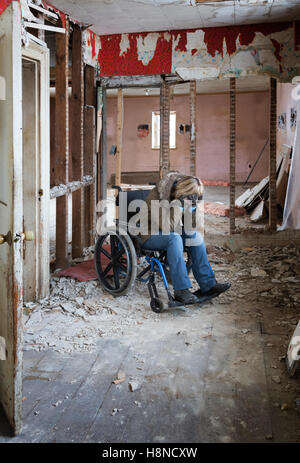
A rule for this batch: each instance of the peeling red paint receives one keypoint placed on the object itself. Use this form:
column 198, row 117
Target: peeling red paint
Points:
column 277, row 51
column 60, row 14
column 4, row 4
column 214, row 37
column 181, row 46
column 92, row 43
column 111, row 63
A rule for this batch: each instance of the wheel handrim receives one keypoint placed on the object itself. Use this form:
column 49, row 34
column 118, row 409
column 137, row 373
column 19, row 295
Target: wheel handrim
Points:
column 118, row 262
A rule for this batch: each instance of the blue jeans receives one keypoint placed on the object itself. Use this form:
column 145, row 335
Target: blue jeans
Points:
column 174, row 244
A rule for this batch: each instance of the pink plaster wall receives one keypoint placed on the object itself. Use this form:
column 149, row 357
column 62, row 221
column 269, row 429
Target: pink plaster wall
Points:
column 284, row 104
column 212, row 135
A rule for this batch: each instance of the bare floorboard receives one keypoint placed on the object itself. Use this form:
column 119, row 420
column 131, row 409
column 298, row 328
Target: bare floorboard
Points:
column 203, row 379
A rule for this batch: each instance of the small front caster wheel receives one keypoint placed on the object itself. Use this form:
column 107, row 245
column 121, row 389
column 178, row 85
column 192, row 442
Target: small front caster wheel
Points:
column 157, row 305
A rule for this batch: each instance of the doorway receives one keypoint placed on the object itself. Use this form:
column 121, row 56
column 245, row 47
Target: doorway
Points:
column 35, row 110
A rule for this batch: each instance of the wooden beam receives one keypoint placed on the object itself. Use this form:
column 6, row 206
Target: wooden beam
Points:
column 272, row 159
column 120, row 122
column 90, row 153
column 102, row 156
column 232, row 154
column 62, row 144
column 193, row 96
column 77, row 142
column 164, row 129
column 131, row 81
column 90, row 169
column 61, row 190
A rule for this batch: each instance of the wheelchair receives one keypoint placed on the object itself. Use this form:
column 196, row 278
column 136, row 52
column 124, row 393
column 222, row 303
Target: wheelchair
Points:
column 116, row 257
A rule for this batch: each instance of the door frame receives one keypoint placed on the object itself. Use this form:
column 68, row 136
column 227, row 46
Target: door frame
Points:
column 40, row 54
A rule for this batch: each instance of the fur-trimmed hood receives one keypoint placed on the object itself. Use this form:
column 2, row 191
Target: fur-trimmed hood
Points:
column 165, row 185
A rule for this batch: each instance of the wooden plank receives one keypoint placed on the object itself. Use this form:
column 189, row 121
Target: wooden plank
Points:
column 120, row 122
column 52, row 142
column 77, row 143
column 272, row 159
column 89, row 396
column 131, row 81
column 90, row 152
column 164, row 129
column 62, row 144
column 90, row 169
column 89, row 87
column 103, row 151
column 193, row 97
column 70, row 187
column 258, row 212
column 232, row 154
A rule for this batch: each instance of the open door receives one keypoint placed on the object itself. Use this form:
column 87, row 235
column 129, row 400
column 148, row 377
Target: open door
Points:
column 11, row 216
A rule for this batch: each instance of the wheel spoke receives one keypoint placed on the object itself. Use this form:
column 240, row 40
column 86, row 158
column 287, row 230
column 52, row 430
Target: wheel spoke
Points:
column 123, row 267
column 116, row 277
column 107, row 269
column 105, row 253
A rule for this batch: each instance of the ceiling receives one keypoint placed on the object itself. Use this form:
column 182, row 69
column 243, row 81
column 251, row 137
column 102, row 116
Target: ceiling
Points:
column 243, row 84
column 117, row 16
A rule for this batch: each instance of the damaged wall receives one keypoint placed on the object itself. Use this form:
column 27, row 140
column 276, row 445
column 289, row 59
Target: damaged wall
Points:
column 214, row 52
column 286, row 107
column 212, row 135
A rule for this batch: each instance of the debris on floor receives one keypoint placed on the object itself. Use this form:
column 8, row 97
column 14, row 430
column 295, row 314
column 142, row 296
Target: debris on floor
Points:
column 76, row 314
column 256, row 199
column 220, row 209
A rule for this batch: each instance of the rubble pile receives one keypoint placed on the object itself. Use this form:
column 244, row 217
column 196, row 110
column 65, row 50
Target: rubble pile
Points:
column 76, row 314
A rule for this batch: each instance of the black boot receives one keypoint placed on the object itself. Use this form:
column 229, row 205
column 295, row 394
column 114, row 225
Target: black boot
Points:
column 185, row 296
column 214, row 291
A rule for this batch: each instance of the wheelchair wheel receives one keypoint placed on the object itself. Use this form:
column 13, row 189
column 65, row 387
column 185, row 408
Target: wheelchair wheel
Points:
column 157, row 305
column 115, row 262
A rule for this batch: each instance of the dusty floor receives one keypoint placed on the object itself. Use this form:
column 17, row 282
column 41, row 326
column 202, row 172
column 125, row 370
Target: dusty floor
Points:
column 214, row 373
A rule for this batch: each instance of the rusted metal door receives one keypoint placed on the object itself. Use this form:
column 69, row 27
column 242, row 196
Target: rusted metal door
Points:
column 11, row 216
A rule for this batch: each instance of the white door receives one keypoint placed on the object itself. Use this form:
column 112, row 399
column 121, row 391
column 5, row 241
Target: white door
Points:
column 11, row 216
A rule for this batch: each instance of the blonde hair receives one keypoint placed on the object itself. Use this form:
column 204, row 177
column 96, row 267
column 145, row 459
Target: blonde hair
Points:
column 188, row 185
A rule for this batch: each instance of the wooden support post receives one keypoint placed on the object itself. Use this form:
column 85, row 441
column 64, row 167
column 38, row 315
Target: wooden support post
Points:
column 77, row 142
column 120, row 122
column 164, row 128
column 90, row 169
column 90, row 154
column 103, row 153
column 62, row 144
column 232, row 153
column 272, row 162
column 193, row 96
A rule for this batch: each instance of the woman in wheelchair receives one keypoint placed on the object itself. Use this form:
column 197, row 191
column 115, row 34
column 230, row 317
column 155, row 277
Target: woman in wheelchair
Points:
column 179, row 188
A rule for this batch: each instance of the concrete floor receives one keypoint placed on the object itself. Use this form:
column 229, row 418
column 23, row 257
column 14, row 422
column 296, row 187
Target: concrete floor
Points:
column 209, row 374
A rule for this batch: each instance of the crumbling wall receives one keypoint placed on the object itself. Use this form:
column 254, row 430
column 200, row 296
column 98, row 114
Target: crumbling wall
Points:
column 215, row 52
column 286, row 112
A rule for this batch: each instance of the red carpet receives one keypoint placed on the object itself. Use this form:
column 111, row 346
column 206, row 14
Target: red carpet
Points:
column 82, row 272
column 85, row 271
